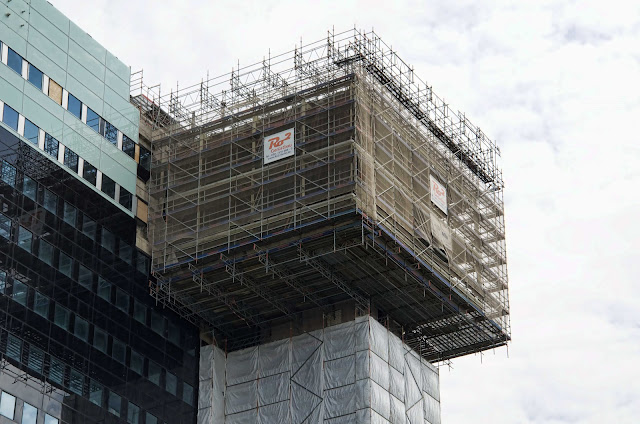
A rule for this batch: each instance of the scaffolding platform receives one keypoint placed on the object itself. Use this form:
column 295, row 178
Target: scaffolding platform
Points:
column 242, row 246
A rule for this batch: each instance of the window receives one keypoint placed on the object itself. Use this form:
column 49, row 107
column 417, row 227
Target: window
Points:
column 5, row 226
column 69, row 214
column 95, row 393
column 56, row 371
column 31, row 131
column 157, row 322
column 14, row 348
column 93, row 120
column 50, row 202
column 89, row 227
column 45, row 252
column 19, row 293
column 71, row 159
column 29, row 414
column 55, row 92
column 145, row 158
column 122, row 300
column 125, row 252
column 100, row 339
column 61, row 317
column 151, row 419
column 3, row 281
column 51, row 145
column 76, row 381
column 14, row 61
column 7, row 405
column 10, row 117
column 154, row 373
column 89, row 173
column 85, row 277
column 65, row 264
column 114, row 404
column 137, row 362
column 119, row 351
column 29, row 188
column 142, row 263
column 108, row 186
column 128, row 146
column 187, row 393
column 110, row 133
column 125, row 198
column 41, row 305
column 81, row 329
column 8, row 173
column 108, row 241
column 74, row 106
column 35, row 76
column 133, row 414
column 24, row 239
column 139, row 312
column 48, row 419
column 174, row 334
column 172, row 383
column 104, row 289
column 36, row 359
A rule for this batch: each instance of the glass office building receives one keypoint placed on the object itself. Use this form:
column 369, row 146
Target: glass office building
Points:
column 81, row 340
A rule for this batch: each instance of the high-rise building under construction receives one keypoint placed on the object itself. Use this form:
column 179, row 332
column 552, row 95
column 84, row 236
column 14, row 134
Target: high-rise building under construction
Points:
column 302, row 240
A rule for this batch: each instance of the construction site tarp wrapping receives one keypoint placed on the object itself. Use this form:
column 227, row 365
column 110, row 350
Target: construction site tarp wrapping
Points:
column 355, row 372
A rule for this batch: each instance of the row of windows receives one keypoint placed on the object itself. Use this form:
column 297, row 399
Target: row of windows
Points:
column 58, row 373
column 76, row 107
column 29, row 412
column 69, row 214
column 64, row 155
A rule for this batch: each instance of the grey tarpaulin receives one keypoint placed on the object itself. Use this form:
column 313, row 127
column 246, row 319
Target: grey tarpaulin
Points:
column 355, row 372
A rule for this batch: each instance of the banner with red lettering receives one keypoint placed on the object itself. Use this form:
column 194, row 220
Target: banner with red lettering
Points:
column 438, row 194
column 279, row 146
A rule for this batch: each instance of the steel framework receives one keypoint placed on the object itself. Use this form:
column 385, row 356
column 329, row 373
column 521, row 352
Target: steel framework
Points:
column 240, row 247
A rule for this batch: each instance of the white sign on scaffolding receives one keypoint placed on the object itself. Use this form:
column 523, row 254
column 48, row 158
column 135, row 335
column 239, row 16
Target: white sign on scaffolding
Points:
column 279, row 146
column 441, row 232
column 438, row 194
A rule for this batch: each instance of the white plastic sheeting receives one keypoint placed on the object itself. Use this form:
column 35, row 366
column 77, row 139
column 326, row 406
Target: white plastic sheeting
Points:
column 356, row 372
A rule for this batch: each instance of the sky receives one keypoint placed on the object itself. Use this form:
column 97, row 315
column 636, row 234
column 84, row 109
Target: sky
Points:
column 555, row 83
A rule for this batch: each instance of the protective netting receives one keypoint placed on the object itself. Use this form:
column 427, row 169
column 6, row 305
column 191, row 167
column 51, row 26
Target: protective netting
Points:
column 355, row 372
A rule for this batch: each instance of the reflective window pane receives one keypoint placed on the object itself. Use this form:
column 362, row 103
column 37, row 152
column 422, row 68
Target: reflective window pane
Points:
column 81, row 329
column 45, row 252
column 7, row 405
column 19, row 292
column 122, row 300
column 89, row 227
column 93, row 120
column 90, row 173
column 65, row 264
column 145, row 158
column 85, row 277
column 174, row 334
column 14, row 348
column 61, row 317
column 128, row 146
column 157, row 322
column 110, row 133
column 41, row 305
column 29, row 414
column 50, row 202
column 95, row 392
column 56, row 371
column 48, row 419
column 114, row 404
column 5, row 226
column 100, row 339
column 69, row 214
column 31, row 131
column 8, row 174
column 24, row 239
column 3, row 282
column 133, row 414
column 75, row 106
column 151, row 419
column 119, row 351
column 104, row 289
column 51, row 145
column 108, row 186
column 126, row 199
column 36, row 359
column 139, row 312
column 14, row 61
column 71, row 159
column 187, row 394
column 35, row 76
column 154, row 372
column 10, row 117
column 171, row 383
column 125, row 252
column 76, row 381
column 29, row 188
column 137, row 362
column 108, row 241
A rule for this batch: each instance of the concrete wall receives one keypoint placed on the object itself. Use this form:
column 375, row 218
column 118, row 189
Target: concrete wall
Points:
column 355, row 372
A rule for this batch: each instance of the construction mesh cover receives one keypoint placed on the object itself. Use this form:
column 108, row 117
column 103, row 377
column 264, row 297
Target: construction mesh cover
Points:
column 356, row 372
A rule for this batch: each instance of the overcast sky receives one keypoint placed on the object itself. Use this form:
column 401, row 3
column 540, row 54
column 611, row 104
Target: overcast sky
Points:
column 556, row 84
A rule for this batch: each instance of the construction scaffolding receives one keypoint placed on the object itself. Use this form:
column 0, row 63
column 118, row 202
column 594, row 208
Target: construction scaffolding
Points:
column 242, row 246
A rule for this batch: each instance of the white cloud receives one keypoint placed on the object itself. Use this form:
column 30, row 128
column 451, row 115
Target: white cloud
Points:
column 555, row 83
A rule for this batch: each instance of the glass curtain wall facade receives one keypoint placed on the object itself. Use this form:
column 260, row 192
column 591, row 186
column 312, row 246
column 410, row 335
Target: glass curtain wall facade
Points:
column 81, row 340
